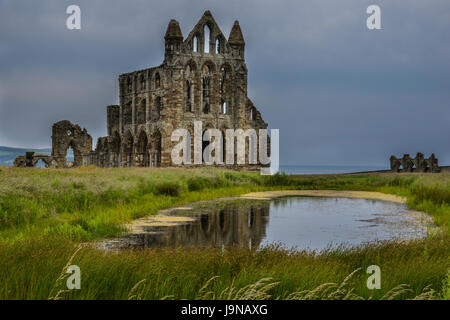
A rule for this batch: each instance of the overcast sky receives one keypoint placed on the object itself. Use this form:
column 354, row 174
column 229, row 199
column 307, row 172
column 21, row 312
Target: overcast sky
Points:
column 339, row 93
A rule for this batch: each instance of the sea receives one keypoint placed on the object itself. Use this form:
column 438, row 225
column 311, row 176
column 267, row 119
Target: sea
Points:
column 327, row 169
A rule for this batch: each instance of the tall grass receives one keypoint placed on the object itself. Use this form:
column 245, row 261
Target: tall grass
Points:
column 46, row 213
column 34, row 270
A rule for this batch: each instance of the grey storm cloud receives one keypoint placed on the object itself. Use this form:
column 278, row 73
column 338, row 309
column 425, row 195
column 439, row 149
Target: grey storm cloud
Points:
column 338, row 92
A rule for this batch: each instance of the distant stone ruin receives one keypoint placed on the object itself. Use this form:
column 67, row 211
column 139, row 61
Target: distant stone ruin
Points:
column 417, row 164
column 30, row 160
column 65, row 135
column 203, row 78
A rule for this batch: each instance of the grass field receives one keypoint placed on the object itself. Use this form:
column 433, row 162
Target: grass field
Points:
column 45, row 214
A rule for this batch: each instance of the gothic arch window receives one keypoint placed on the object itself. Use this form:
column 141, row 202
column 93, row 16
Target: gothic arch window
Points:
column 219, row 45
column 141, row 112
column 207, row 38
column 195, row 44
column 142, row 82
column 225, row 78
column 224, row 107
column 157, row 80
column 142, row 150
column 129, row 85
column 158, row 107
column 188, row 95
column 206, row 86
column 252, row 114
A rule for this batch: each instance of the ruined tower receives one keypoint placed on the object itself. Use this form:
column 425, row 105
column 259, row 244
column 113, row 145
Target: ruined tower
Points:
column 203, row 78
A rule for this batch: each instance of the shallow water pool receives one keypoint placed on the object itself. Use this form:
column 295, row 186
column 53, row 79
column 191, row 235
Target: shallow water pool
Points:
column 312, row 223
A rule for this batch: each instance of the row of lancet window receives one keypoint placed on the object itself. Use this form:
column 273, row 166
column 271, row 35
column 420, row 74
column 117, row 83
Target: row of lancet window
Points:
column 219, row 45
column 142, row 82
column 206, row 90
column 141, row 112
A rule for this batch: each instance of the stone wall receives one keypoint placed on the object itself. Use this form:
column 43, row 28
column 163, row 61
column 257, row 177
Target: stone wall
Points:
column 201, row 79
column 190, row 85
column 66, row 135
column 417, row 164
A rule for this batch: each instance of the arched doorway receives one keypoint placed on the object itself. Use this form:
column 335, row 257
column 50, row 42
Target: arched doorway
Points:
column 128, row 150
column 142, row 155
column 155, row 153
column 70, row 156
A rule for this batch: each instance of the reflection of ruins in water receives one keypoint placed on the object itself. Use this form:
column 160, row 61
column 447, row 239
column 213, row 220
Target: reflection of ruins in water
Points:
column 230, row 225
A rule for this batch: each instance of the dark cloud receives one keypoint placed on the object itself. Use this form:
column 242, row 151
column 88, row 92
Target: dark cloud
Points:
column 339, row 93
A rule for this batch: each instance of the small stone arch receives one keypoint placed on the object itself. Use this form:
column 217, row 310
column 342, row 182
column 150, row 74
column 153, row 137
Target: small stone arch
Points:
column 192, row 65
column 66, row 135
column 210, row 65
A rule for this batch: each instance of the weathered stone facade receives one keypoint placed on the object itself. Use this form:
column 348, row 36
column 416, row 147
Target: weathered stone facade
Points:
column 203, row 78
column 66, row 135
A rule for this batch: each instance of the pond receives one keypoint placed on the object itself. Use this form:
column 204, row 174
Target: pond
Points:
column 313, row 223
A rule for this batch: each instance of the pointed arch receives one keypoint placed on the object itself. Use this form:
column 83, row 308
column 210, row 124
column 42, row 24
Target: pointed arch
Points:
column 220, row 45
column 195, row 42
column 190, row 69
column 207, row 72
column 252, row 113
column 141, row 110
column 156, row 149
column 142, row 150
column 128, row 150
column 207, row 33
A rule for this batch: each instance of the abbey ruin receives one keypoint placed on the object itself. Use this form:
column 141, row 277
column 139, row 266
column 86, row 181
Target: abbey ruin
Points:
column 417, row 164
column 203, row 78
